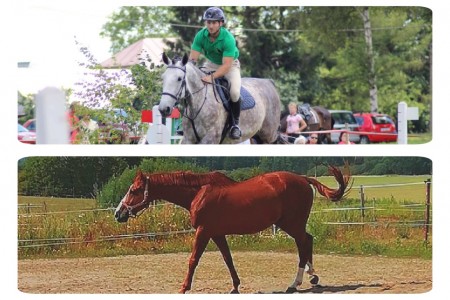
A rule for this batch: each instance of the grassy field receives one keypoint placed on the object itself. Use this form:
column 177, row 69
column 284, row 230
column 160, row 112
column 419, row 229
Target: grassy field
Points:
column 75, row 228
column 419, row 138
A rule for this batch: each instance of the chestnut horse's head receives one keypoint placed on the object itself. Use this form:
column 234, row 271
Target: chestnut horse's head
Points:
column 136, row 199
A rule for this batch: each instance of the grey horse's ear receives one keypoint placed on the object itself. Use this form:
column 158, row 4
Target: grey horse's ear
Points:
column 166, row 60
column 185, row 59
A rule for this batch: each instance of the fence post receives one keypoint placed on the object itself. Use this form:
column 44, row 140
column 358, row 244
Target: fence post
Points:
column 347, row 130
column 361, row 193
column 427, row 210
column 402, row 126
column 52, row 126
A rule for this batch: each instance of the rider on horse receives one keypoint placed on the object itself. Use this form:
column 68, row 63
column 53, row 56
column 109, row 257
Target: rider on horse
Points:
column 219, row 47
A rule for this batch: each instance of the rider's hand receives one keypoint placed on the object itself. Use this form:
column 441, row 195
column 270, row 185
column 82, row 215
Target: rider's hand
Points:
column 208, row 79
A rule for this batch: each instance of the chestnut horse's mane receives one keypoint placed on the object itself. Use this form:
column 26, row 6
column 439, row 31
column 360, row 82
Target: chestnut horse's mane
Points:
column 189, row 179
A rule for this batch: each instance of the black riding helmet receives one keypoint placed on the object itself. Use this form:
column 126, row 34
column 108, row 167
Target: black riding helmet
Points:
column 214, row 14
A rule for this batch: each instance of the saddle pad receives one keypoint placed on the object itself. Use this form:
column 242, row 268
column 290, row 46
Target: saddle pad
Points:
column 247, row 99
column 247, row 102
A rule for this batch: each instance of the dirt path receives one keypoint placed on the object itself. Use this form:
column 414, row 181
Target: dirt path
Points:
column 260, row 272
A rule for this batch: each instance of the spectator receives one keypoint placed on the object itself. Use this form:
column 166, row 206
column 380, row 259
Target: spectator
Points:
column 313, row 139
column 73, row 123
column 300, row 140
column 344, row 139
column 295, row 123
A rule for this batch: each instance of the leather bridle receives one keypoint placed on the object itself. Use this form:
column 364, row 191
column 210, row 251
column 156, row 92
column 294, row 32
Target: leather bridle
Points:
column 177, row 96
column 188, row 113
column 145, row 203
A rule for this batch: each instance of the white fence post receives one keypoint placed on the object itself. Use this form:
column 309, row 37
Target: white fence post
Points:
column 402, row 125
column 158, row 132
column 52, row 126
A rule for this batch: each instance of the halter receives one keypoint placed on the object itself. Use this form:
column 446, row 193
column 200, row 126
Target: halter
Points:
column 145, row 203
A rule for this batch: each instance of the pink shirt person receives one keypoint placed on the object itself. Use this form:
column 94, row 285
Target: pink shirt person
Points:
column 293, row 123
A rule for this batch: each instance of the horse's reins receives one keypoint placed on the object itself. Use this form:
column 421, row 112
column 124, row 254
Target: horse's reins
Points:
column 188, row 95
column 145, row 203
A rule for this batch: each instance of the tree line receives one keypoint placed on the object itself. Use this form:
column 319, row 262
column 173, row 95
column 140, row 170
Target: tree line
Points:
column 89, row 176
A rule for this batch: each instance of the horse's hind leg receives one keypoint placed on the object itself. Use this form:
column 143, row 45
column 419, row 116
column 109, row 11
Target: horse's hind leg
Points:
column 309, row 252
column 221, row 242
column 302, row 246
column 200, row 243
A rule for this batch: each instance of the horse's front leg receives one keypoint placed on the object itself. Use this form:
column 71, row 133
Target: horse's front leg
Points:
column 222, row 244
column 200, row 243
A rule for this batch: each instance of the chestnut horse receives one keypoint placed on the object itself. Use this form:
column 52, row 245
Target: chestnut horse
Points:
column 219, row 206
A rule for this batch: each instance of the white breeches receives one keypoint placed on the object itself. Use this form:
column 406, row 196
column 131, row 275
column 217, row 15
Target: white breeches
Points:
column 233, row 76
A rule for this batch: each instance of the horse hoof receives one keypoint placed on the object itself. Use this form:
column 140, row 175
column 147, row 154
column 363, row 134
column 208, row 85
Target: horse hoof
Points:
column 234, row 291
column 291, row 290
column 314, row 280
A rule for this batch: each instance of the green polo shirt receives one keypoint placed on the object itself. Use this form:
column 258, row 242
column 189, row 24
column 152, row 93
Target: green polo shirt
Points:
column 223, row 46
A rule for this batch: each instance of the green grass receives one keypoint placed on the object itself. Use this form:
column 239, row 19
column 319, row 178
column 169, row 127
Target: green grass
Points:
column 413, row 193
column 419, row 138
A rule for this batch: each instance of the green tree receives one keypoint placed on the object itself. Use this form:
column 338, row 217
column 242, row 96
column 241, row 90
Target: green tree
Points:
column 27, row 102
column 67, row 176
column 401, row 46
column 132, row 23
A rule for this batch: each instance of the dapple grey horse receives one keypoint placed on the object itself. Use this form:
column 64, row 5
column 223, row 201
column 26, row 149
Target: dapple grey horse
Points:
column 204, row 116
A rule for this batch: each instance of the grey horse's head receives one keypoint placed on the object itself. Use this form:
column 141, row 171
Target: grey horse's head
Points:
column 174, row 83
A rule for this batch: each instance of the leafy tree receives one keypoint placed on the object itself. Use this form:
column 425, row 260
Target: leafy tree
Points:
column 130, row 90
column 27, row 102
column 67, row 176
column 132, row 23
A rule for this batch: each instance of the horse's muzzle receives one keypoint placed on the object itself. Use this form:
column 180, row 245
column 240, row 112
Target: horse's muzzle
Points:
column 121, row 216
column 166, row 111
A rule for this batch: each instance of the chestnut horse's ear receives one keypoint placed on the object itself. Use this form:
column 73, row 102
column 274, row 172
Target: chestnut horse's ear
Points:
column 139, row 174
column 139, row 178
column 166, row 60
column 185, row 59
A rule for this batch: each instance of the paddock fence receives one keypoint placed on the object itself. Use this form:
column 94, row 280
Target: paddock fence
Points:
column 369, row 212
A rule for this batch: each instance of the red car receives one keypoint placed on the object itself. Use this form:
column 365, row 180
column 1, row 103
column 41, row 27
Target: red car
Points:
column 26, row 136
column 378, row 124
column 30, row 125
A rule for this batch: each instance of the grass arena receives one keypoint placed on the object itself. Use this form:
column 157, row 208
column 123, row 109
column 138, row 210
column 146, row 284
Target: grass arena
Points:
column 260, row 272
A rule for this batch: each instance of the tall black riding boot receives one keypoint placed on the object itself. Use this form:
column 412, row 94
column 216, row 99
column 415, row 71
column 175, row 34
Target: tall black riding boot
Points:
column 235, row 132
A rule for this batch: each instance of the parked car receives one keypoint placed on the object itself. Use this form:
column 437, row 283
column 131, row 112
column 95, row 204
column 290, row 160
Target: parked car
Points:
column 343, row 119
column 26, row 136
column 377, row 123
column 30, row 125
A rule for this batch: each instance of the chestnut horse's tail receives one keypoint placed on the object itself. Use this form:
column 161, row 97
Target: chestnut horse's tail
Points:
column 333, row 194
